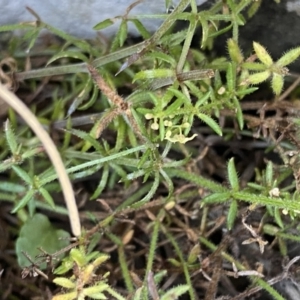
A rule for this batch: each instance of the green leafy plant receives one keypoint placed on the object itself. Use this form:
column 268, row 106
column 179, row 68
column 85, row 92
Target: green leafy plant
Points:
column 81, row 284
column 268, row 68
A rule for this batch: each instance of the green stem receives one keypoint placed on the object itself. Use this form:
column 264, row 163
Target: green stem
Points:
column 81, row 67
column 199, row 180
column 183, row 263
column 124, row 268
column 153, row 243
column 188, row 40
column 122, row 261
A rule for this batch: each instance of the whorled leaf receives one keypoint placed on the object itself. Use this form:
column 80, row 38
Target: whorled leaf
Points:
column 277, row 83
column 258, row 77
column 288, row 57
column 262, row 54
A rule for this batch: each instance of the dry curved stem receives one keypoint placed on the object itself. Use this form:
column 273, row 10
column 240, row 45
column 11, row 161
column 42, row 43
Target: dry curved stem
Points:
column 50, row 148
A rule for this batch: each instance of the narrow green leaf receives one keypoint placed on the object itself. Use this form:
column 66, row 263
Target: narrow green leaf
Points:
column 95, row 291
column 103, row 182
column 175, row 292
column 86, row 137
column 33, row 37
column 203, row 99
column 86, row 172
column 123, row 33
column 253, row 9
column 79, row 257
column 220, row 32
column 277, row 83
column 232, row 213
column 232, row 175
column 158, row 277
column 144, row 33
column 47, row 197
column 68, row 54
column 103, row 24
column 253, row 66
column 92, row 100
column 262, row 54
column 194, row 254
column 138, row 293
column 277, row 216
column 174, row 39
column 239, row 112
column 282, row 247
column 266, row 200
column 258, row 77
column 173, row 107
column 235, row 52
column 217, row 81
column 22, row 174
column 169, row 183
column 205, row 29
column 156, row 73
column 247, row 91
column 216, row 198
column 67, row 135
column 179, row 95
column 269, row 174
column 162, row 129
column 8, row 186
column 20, row 26
column 139, row 122
column 24, row 201
column 162, row 57
column 79, row 43
column 82, row 95
column 144, row 158
column 271, row 230
column 122, row 134
column 149, row 194
column 198, row 180
column 231, row 77
column 177, row 163
column 210, row 122
column 289, row 57
column 64, row 282
column 10, row 137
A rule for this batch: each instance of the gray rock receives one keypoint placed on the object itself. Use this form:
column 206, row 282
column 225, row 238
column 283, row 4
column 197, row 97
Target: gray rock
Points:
column 77, row 17
column 276, row 26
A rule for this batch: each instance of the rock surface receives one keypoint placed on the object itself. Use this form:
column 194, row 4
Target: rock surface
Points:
column 276, row 26
column 77, row 17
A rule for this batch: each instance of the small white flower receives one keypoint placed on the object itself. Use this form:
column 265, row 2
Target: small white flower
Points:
column 275, row 192
column 178, row 138
column 154, row 126
column 149, row 116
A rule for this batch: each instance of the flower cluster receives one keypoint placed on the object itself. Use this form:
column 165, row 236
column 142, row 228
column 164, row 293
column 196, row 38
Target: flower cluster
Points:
column 174, row 132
